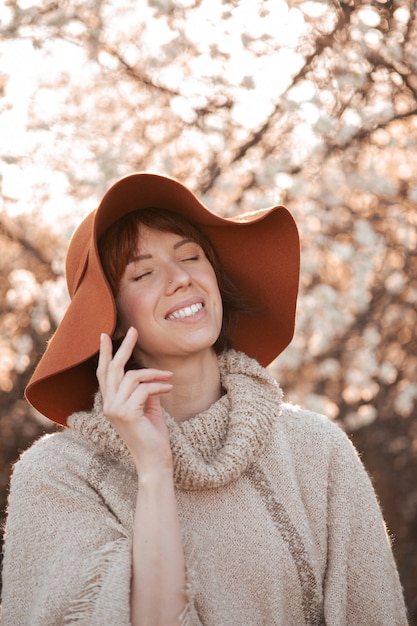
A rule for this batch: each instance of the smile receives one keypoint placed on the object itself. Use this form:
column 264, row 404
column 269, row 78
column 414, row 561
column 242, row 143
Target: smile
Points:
column 187, row 311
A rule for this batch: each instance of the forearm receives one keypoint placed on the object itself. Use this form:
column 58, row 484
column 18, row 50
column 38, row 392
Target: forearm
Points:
column 158, row 576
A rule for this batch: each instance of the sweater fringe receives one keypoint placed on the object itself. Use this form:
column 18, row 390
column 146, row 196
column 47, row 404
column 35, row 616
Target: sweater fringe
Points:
column 82, row 610
column 188, row 616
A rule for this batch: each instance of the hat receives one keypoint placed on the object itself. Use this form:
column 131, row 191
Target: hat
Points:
column 259, row 251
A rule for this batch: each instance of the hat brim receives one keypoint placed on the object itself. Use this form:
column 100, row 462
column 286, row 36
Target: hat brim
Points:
column 260, row 252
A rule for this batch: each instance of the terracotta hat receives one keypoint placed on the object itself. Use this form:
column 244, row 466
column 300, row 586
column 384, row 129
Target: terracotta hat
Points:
column 259, row 251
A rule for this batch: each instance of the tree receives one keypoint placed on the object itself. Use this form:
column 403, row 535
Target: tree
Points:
column 308, row 103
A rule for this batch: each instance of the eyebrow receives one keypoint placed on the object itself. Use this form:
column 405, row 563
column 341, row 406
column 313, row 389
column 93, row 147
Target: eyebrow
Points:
column 141, row 257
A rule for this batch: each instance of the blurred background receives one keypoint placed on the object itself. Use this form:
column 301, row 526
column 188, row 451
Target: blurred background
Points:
column 251, row 103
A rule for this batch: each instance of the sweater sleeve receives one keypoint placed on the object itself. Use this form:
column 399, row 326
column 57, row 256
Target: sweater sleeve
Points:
column 67, row 559
column 362, row 586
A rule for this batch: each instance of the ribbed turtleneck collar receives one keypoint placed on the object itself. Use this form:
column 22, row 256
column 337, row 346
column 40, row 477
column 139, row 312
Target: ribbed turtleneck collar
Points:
column 216, row 446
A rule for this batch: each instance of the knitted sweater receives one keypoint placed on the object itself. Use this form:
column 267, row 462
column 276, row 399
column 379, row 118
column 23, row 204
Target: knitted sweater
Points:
column 280, row 522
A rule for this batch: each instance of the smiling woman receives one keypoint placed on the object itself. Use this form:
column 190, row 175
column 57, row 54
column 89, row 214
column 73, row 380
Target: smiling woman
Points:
column 169, row 293
column 184, row 490
column 118, row 249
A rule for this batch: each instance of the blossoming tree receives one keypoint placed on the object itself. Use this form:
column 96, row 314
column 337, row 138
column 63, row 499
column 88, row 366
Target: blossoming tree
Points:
column 312, row 104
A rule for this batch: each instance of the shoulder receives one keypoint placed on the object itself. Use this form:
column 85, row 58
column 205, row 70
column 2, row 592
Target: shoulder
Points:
column 305, row 423
column 312, row 435
column 60, row 457
column 53, row 448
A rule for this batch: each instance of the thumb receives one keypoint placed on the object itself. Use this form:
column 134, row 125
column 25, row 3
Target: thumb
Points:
column 153, row 407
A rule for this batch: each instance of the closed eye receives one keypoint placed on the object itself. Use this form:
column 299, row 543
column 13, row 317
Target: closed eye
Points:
column 141, row 276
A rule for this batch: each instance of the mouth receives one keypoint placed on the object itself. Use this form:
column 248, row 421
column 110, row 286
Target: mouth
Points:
column 187, row 311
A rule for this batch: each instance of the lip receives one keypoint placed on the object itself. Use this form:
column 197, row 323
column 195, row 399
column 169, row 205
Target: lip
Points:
column 183, row 304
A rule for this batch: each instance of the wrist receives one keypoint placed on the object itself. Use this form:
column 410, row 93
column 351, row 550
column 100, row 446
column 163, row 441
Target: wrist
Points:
column 155, row 477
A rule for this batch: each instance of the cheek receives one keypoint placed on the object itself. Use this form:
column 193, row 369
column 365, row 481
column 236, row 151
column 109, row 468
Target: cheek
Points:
column 127, row 307
column 216, row 293
column 136, row 307
column 210, row 276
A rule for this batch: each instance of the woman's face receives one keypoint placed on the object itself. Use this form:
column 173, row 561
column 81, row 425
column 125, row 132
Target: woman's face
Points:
column 169, row 293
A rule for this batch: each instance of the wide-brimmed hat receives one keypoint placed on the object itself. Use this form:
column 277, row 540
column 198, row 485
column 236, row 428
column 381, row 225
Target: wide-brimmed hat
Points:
column 259, row 251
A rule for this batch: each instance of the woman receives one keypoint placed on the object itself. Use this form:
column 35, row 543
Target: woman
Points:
column 184, row 491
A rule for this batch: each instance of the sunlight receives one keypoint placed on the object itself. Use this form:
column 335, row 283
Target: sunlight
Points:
column 235, row 49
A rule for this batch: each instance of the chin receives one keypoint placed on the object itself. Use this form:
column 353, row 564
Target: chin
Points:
column 200, row 349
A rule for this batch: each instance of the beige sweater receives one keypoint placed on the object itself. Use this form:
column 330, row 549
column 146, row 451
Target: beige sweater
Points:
column 280, row 522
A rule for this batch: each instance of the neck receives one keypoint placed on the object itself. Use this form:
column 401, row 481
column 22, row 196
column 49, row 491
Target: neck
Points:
column 196, row 386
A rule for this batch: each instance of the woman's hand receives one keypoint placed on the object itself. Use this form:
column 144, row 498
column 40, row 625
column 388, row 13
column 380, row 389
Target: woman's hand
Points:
column 131, row 403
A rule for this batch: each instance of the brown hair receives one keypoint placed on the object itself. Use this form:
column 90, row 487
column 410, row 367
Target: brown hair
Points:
column 118, row 244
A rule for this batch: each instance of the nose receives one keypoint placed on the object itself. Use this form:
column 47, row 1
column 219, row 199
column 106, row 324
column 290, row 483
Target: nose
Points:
column 178, row 277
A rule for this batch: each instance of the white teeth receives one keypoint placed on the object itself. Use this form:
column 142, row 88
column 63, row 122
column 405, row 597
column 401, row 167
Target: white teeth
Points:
column 188, row 311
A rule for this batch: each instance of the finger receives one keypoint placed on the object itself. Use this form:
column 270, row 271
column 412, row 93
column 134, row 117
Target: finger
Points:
column 135, row 378
column 153, row 409
column 126, row 348
column 104, row 357
column 147, row 375
column 115, row 370
column 136, row 404
column 145, row 397
column 151, row 373
column 149, row 390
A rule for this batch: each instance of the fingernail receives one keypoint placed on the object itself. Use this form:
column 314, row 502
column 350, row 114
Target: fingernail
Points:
column 102, row 336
